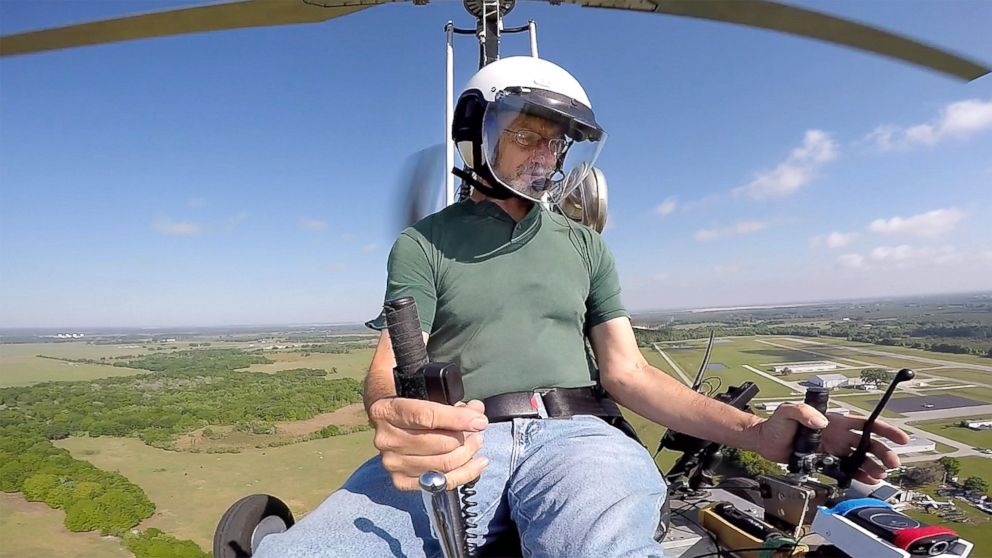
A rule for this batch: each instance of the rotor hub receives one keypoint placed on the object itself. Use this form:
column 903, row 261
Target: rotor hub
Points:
column 484, row 8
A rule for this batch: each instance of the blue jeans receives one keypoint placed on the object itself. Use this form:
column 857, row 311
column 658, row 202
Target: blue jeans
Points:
column 574, row 487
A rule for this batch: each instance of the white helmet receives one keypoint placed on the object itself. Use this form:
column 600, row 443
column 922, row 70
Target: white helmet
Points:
column 544, row 111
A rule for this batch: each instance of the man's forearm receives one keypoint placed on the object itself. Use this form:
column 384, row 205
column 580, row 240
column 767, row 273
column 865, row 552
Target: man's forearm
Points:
column 378, row 384
column 656, row 396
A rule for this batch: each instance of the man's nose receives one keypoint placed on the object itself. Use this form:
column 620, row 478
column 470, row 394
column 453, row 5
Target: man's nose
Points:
column 543, row 152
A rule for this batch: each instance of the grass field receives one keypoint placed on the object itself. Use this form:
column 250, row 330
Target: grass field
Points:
column 965, row 359
column 949, row 429
column 734, row 353
column 32, row 529
column 350, row 365
column 962, row 374
column 192, row 490
column 20, row 365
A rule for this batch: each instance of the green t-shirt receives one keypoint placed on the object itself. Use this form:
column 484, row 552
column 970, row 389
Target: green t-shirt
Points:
column 508, row 302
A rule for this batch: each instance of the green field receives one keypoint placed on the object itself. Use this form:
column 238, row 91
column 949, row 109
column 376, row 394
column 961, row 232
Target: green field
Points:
column 192, row 490
column 32, row 529
column 964, row 375
column 964, row 359
column 949, row 429
column 834, row 352
column 734, row 353
column 20, row 365
column 350, row 365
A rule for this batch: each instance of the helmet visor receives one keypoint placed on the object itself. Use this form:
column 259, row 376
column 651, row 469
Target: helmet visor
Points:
column 540, row 144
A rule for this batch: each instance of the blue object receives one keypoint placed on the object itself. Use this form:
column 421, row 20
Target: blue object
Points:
column 857, row 503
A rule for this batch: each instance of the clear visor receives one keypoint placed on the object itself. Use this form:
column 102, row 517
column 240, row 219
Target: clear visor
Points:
column 535, row 148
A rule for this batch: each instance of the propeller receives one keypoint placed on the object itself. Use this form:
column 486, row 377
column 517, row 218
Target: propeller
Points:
column 762, row 14
column 199, row 19
column 775, row 16
column 420, row 186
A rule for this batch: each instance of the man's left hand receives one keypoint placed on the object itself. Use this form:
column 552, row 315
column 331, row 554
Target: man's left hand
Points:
column 775, row 436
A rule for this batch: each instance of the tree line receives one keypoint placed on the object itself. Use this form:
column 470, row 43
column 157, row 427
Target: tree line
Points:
column 185, row 390
column 968, row 339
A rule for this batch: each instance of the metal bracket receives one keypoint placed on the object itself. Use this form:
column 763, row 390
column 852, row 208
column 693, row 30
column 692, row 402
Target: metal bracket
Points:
column 791, row 506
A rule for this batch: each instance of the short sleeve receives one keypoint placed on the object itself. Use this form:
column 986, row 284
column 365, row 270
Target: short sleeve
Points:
column 409, row 273
column 604, row 302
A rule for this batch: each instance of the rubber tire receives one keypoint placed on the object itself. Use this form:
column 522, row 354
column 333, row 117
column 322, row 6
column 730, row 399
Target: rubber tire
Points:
column 232, row 539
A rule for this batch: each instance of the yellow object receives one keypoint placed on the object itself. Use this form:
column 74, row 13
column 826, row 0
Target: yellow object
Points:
column 735, row 538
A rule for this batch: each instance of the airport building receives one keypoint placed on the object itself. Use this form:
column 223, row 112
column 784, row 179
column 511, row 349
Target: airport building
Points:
column 979, row 424
column 915, row 445
column 804, row 367
column 829, row 381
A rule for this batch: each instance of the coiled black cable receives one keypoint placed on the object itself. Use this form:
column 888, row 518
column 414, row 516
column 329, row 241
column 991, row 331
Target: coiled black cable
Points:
column 467, row 492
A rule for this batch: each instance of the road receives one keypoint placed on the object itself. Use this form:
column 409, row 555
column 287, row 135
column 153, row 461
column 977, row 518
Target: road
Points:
column 678, row 370
column 890, row 354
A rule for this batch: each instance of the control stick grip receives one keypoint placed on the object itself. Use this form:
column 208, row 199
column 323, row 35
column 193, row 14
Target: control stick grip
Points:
column 408, row 347
column 807, row 440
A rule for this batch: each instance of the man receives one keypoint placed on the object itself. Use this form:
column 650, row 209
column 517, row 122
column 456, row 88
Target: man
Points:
column 510, row 292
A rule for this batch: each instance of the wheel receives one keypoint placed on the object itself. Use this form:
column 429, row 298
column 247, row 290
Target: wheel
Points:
column 247, row 522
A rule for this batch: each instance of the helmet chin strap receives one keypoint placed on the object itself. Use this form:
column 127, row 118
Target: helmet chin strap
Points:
column 498, row 192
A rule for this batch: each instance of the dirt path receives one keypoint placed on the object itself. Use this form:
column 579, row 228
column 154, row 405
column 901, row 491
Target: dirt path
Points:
column 345, row 416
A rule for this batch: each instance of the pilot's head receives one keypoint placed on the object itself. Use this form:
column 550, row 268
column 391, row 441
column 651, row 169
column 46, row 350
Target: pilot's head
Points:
column 524, row 127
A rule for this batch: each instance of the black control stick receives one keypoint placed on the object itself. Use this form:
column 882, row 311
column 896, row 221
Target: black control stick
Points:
column 416, row 378
column 805, row 459
column 807, row 439
column 849, row 465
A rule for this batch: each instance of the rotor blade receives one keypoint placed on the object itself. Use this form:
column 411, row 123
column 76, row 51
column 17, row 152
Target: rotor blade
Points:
column 420, row 186
column 199, row 19
column 765, row 14
column 702, row 367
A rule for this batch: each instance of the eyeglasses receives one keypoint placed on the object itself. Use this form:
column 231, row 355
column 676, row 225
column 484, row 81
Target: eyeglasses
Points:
column 532, row 140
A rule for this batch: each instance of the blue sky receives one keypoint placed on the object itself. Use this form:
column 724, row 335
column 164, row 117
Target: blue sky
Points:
column 250, row 176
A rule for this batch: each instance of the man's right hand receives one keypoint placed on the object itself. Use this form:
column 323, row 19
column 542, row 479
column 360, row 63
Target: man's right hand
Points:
column 417, row 436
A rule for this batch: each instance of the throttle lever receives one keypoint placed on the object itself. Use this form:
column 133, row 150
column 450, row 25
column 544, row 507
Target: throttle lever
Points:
column 850, row 464
column 807, row 440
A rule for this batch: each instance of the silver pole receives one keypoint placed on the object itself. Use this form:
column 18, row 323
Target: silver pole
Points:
column 533, row 38
column 449, row 115
column 445, row 513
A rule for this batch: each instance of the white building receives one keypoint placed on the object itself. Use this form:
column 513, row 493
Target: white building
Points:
column 884, row 491
column 804, row 367
column 915, row 445
column 829, row 381
column 979, row 424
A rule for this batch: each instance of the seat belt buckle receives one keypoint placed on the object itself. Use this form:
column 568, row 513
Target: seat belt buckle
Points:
column 537, row 402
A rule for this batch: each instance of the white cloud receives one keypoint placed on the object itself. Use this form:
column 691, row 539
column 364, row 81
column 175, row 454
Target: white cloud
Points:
column 235, row 220
column 834, row 240
column 930, row 224
column 904, row 256
column 369, row 248
column 337, row 268
column 741, row 228
column 854, row 261
column 796, row 171
column 667, row 206
column 312, row 224
column 958, row 120
column 169, row 227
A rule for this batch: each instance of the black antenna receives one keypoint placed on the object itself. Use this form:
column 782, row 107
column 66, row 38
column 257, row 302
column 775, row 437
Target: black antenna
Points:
column 702, row 367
